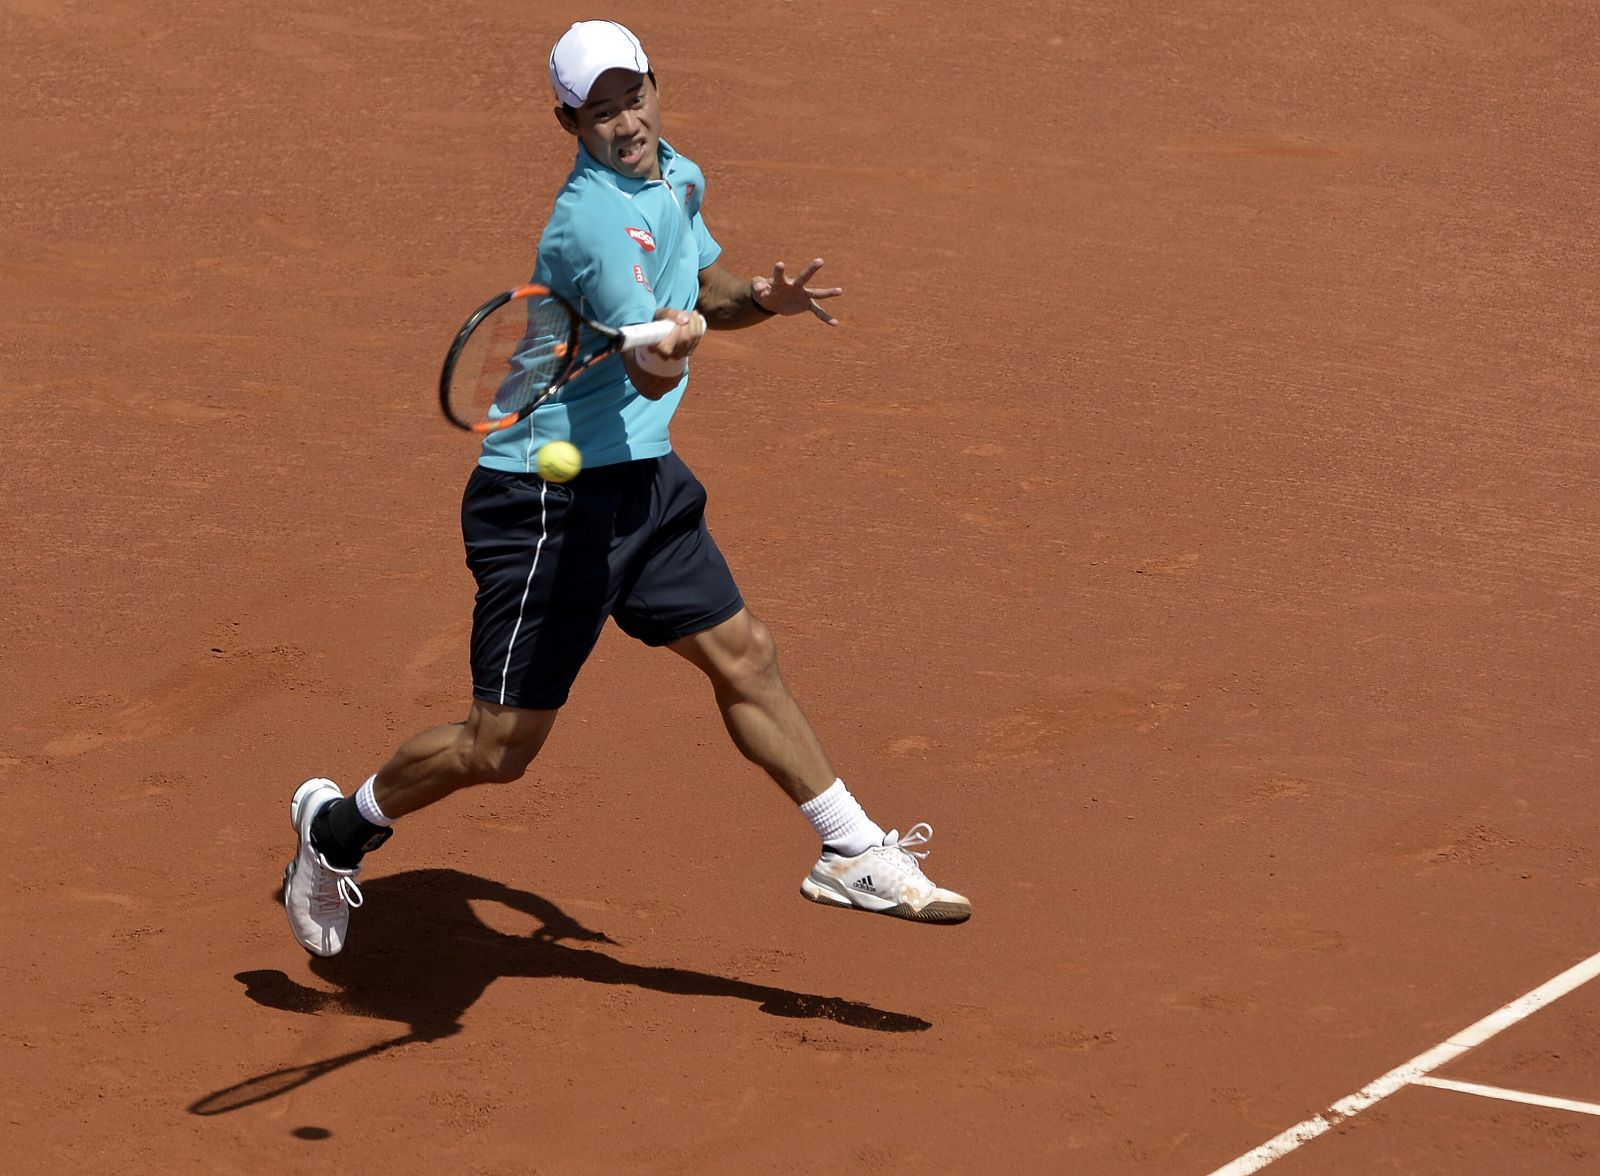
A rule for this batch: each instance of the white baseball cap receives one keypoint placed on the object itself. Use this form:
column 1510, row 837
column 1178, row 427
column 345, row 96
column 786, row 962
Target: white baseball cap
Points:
column 586, row 51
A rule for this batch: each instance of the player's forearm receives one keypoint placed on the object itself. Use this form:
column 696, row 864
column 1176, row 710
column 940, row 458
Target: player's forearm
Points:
column 651, row 387
column 729, row 303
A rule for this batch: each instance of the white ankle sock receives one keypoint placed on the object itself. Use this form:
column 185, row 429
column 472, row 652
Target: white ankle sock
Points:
column 367, row 805
column 841, row 822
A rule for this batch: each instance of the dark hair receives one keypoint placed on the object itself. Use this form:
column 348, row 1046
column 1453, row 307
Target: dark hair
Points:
column 572, row 111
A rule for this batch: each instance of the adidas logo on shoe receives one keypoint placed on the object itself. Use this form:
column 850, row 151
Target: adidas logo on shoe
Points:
column 864, row 883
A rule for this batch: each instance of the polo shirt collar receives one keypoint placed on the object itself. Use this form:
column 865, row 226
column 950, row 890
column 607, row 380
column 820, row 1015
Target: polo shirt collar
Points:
column 588, row 163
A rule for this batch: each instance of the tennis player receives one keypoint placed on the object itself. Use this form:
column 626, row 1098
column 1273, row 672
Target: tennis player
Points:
column 626, row 539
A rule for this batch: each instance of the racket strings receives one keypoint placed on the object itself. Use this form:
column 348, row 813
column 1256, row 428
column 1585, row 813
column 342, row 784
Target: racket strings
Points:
column 515, row 356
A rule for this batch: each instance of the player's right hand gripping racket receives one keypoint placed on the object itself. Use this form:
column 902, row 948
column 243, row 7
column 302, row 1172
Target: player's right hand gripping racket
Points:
column 518, row 350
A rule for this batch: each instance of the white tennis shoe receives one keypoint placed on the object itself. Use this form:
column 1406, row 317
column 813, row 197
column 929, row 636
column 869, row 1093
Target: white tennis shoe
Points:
column 886, row 880
column 317, row 896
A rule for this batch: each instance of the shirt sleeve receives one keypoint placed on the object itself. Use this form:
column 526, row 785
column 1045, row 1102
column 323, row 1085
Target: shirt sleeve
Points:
column 704, row 241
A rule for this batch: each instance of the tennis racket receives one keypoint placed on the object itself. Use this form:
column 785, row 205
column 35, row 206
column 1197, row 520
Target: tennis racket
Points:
column 520, row 349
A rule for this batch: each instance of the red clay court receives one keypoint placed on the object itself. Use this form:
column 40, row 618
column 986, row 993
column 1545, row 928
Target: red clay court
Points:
column 1194, row 520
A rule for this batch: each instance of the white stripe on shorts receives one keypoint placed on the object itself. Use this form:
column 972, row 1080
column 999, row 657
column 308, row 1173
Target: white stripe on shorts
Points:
column 538, row 548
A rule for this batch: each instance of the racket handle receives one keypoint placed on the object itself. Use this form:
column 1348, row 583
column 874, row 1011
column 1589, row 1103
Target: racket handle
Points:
column 644, row 334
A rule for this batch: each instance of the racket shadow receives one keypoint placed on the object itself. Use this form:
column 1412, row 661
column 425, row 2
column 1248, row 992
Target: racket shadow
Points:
column 277, row 1082
column 424, row 958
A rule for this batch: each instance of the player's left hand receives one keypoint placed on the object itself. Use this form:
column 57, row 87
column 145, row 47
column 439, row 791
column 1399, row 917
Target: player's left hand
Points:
column 781, row 294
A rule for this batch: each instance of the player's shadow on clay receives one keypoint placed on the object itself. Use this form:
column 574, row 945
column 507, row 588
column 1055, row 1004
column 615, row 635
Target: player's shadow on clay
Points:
column 424, row 958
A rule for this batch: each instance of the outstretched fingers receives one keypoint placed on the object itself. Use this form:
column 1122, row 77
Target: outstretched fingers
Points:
column 793, row 294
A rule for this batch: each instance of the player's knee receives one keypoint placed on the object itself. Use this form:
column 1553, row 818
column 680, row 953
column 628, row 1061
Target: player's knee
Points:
column 499, row 752
column 763, row 649
column 499, row 762
column 496, row 744
column 756, row 665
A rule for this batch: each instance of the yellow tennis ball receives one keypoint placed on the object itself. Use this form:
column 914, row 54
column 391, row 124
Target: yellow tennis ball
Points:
column 558, row 461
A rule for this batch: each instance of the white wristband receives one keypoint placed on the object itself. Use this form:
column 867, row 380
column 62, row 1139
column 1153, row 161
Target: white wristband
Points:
column 647, row 359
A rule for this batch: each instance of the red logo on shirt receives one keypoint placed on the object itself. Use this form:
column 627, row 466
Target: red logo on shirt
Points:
column 638, row 276
column 645, row 240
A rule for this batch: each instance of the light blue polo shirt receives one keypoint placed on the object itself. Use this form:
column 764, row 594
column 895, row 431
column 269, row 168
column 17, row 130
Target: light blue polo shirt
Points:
column 618, row 249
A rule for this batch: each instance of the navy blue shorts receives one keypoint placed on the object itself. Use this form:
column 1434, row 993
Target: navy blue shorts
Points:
column 553, row 561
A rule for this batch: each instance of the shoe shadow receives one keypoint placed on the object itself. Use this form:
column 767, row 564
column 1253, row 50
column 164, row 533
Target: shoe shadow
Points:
column 424, row 958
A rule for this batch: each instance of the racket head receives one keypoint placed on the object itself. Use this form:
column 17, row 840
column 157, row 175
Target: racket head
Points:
column 507, row 358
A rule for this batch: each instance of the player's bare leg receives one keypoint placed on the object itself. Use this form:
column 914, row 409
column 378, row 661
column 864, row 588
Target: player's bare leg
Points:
column 862, row 867
column 493, row 744
column 763, row 718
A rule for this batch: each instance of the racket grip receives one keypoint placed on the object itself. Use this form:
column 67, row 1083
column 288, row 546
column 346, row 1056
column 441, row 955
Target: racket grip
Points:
column 642, row 335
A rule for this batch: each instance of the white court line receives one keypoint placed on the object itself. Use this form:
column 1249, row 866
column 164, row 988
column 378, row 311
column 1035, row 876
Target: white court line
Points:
column 1517, row 1096
column 1424, row 1063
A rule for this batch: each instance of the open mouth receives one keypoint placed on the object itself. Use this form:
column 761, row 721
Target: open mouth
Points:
column 631, row 154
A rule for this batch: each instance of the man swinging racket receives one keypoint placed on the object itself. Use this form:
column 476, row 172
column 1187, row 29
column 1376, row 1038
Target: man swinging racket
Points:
column 624, row 539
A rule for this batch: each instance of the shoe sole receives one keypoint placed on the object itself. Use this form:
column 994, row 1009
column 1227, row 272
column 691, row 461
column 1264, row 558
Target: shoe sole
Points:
column 943, row 913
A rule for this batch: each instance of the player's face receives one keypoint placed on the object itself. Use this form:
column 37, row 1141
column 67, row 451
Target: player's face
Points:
column 621, row 124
